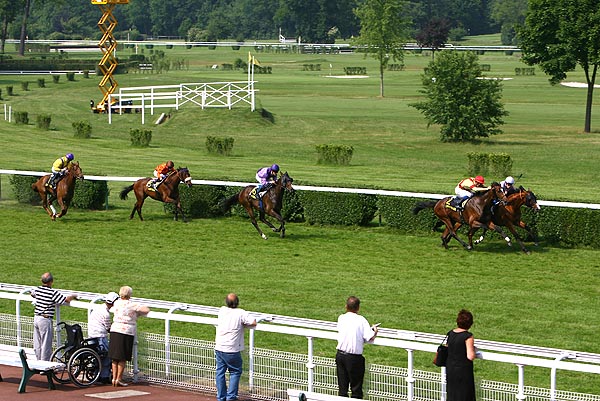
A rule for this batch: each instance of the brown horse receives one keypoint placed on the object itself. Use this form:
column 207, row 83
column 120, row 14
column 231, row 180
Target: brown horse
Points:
column 272, row 201
column 476, row 214
column 63, row 193
column 508, row 214
column 167, row 191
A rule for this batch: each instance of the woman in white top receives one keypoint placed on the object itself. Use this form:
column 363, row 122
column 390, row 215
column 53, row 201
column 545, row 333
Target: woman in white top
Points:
column 122, row 332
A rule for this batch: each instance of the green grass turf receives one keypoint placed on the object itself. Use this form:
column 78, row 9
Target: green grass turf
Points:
column 549, row 298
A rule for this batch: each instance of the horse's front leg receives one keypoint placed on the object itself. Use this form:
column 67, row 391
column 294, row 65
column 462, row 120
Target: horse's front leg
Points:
column 180, row 209
column 481, row 237
column 281, row 228
column 529, row 231
column 499, row 230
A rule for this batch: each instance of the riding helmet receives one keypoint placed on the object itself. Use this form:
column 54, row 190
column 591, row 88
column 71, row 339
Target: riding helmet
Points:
column 275, row 167
column 170, row 164
column 479, row 179
column 70, row 156
column 509, row 180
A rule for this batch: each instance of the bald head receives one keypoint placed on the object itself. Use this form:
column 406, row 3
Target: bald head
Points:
column 47, row 278
column 232, row 300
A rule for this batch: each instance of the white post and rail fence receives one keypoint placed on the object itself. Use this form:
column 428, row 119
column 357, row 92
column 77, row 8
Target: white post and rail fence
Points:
column 189, row 363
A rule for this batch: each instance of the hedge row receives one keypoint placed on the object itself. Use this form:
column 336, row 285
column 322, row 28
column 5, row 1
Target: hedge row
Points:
column 88, row 194
column 49, row 64
column 554, row 225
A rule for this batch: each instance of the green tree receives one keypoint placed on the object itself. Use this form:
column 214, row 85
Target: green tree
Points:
column 509, row 14
column 466, row 106
column 383, row 31
column 434, row 35
column 558, row 35
column 8, row 12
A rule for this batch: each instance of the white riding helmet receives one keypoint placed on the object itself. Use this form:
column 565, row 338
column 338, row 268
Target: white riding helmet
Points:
column 509, row 180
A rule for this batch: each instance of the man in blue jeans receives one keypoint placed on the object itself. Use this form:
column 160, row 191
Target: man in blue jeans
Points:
column 229, row 346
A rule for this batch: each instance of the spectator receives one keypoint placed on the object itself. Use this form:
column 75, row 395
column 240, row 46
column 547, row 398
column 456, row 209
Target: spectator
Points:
column 122, row 333
column 46, row 299
column 229, row 344
column 98, row 329
column 353, row 332
column 459, row 366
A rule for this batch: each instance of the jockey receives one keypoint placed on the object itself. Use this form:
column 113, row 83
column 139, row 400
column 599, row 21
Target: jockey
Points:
column 466, row 188
column 160, row 173
column 59, row 168
column 266, row 175
column 507, row 186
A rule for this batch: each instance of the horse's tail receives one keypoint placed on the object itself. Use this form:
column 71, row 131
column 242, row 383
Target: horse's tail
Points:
column 226, row 204
column 125, row 191
column 423, row 205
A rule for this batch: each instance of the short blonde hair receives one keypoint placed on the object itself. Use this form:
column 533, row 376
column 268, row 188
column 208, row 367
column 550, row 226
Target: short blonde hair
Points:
column 125, row 292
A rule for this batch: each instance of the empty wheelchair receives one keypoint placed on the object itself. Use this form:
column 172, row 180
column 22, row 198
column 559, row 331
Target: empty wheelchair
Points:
column 82, row 358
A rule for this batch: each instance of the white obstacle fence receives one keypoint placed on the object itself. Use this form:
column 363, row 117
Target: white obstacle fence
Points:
column 189, row 363
column 204, row 95
column 421, row 195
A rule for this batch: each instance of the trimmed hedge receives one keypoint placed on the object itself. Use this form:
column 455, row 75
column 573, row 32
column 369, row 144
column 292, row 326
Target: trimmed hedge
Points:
column 338, row 208
column 21, row 185
column 200, row 200
column 396, row 212
column 90, row 194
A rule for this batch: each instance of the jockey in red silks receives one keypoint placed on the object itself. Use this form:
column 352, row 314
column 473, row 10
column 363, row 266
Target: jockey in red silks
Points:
column 467, row 187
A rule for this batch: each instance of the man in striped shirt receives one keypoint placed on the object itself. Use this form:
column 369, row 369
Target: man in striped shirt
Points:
column 46, row 299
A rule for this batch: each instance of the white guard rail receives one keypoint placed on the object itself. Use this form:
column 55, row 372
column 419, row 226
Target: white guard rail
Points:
column 514, row 354
column 310, row 188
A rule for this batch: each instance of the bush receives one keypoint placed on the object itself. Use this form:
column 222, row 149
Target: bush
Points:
column 9, row 90
column 86, row 73
column 43, row 121
column 140, row 138
column 41, row 83
column 21, row 117
column 0, row 94
column 25, row 86
column 397, row 212
column 219, row 145
column 83, row 129
column 21, row 185
column 478, row 163
column 70, row 76
column 200, row 200
column 55, row 78
column 90, row 194
column 334, row 154
column 338, row 208
column 497, row 164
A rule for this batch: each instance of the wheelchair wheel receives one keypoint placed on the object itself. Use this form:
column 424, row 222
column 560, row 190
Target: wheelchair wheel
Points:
column 84, row 367
column 62, row 354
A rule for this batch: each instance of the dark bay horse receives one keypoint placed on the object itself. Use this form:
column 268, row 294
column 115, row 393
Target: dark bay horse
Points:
column 272, row 201
column 508, row 214
column 167, row 191
column 476, row 214
column 63, row 193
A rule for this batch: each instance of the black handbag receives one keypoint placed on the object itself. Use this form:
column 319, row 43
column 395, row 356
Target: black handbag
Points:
column 442, row 354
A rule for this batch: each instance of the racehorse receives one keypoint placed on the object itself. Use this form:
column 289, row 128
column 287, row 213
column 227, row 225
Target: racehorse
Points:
column 508, row 214
column 476, row 213
column 167, row 191
column 271, row 203
column 63, row 194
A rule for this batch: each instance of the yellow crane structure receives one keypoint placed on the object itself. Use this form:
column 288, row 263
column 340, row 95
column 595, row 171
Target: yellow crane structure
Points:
column 108, row 44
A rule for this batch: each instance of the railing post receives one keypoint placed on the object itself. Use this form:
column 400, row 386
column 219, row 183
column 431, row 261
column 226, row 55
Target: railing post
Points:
column 310, row 364
column 521, row 386
column 168, row 337
column 143, row 109
column 553, row 374
column 410, row 378
column 18, row 312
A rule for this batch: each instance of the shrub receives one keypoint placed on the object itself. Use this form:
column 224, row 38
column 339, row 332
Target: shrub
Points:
column 478, row 163
column 500, row 164
column 43, row 121
column 200, row 200
column 83, row 129
column 21, row 185
column 41, row 83
column 86, row 73
column 397, row 212
column 70, row 76
column 338, row 208
column 497, row 164
column 55, row 78
column 0, row 94
column 140, row 138
column 219, row 145
column 90, row 194
column 334, row 154
column 25, row 86
column 21, row 117
column 9, row 90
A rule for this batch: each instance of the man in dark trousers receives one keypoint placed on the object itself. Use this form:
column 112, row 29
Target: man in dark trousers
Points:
column 353, row 332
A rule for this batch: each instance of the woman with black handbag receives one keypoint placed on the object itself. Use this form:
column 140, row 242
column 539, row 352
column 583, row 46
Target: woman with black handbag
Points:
column 459, row 366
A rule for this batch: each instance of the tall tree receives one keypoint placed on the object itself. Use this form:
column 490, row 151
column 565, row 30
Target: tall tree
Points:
column 509, row 14
column 434, row 35
column 8, row 12
column 24, row 27
column 383, row 31
column 558, row 35
column 465, row 106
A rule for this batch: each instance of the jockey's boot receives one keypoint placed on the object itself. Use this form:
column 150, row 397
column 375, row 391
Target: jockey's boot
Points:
column 456, row 202
column 51, row 181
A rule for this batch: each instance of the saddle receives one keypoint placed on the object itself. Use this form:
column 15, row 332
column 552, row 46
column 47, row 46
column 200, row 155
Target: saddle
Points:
column 254, row 194
column 153, row 186
column 455, row 203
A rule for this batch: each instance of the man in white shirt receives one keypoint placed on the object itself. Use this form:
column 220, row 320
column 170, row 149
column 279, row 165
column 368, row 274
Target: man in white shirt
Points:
column 98, row 328
column 229, row 346
column 353, row 332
